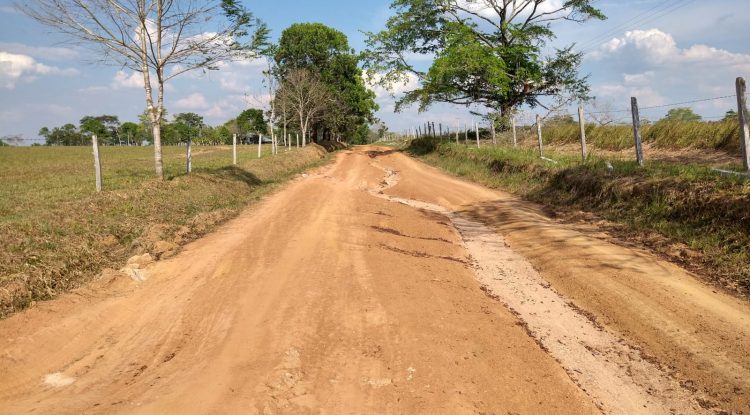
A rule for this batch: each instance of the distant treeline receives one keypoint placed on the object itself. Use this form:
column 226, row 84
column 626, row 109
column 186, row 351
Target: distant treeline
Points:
column 183, row 127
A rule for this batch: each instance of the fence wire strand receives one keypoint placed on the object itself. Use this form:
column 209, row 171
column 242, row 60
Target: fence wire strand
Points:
column 667, row 105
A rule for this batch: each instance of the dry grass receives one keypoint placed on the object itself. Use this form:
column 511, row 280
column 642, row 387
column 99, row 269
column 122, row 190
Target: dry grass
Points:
column 56, row 233
column 669, row 135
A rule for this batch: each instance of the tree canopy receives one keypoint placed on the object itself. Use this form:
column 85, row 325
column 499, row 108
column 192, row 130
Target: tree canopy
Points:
column 486, row 52
column 325, row 52
column 251, row 121
column 682, row 114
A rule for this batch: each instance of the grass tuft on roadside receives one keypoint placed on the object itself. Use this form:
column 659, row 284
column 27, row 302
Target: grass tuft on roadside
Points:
column 56, row 233
column 686, row 212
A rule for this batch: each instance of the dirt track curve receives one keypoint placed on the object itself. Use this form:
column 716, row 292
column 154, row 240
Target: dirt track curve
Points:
column 378, row 285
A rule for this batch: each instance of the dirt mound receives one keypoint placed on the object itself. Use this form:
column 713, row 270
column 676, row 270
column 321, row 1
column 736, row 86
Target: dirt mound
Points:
column 332, row 146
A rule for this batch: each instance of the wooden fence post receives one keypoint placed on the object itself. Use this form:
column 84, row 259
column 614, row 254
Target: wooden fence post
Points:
column 97, row 163
column 297, row 135
column 189, row 166
column 234, row 149
column 637, row 131
column 582, row 124
column 458, row 129
column 742, row 117
column 260, row 145
column 494, row 133
column 539, row 135
column 466, row 134
column 441, row 130
column 476, row 127
column 513, row 124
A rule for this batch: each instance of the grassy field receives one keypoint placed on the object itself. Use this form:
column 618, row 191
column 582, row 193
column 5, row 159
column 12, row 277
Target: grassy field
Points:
column 687, row 212
column 56, row 233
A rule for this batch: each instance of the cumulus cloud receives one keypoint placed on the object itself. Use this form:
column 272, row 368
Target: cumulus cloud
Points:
column 652, row 66
column 659, row 48
column 195, row 101
column 122, row 80
column 396, row 89
column 15, row 68
column 40, row 52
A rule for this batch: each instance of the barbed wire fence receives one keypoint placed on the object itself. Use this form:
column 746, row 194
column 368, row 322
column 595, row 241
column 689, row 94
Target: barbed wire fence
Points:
column 638, row 118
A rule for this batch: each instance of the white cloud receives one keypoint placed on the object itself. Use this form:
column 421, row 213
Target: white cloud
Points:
column 122, row 80
column 15, row 68
column 194, row 101
column 382, row 94
column 40, row 52
column 652, row 66
column 655, row 47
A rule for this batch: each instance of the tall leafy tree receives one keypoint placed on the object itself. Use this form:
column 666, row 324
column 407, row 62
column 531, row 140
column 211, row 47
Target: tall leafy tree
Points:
column 105, row 127
column 132, row 133
column 325, row 53
column 251, row 121
column 187, row 125
column 486, row 52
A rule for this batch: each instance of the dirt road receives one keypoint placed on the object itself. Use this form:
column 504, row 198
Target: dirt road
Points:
column 378, row 285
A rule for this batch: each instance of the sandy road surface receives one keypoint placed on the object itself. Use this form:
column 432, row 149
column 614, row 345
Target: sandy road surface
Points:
column 358, row 290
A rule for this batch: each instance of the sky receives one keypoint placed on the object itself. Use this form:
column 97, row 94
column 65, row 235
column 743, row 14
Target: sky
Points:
column 661, row 51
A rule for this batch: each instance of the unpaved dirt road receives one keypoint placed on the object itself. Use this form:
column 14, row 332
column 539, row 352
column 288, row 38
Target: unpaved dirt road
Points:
column 378, row 285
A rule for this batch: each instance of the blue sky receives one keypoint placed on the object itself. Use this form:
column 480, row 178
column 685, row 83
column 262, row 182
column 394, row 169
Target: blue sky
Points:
column 662, row 51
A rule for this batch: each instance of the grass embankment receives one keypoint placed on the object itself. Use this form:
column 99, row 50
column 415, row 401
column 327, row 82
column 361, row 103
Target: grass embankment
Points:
column 687, row 212
column 723, row 135
column 56, row 233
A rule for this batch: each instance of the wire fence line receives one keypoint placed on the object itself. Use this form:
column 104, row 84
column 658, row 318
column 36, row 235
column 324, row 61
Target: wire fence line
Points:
column 695, row 101
column 679, row 130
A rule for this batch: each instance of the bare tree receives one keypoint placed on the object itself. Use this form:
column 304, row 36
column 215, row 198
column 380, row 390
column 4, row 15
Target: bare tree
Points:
column 305, row 96
column 160, row 39
column 603, row 112
column 270, row 81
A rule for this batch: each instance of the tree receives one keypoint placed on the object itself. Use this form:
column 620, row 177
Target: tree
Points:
column 132, row 133
column 67, row 135
column 160, row 39
column 681, row 115
column 303, row 94
column 187, row 125
column 106, row 128
column 486, row 52
column 325, row 52
column 730, row 115
column 560, row 118
column 602, row 112
column 11, row 140
column 251, row 121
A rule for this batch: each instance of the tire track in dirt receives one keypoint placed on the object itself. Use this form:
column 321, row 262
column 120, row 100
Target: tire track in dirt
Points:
column 616, row 375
